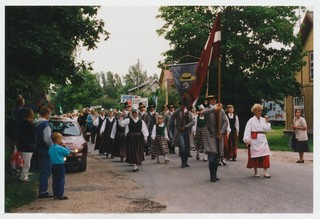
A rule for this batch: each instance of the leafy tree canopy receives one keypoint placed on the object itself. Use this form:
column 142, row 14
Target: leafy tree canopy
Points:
column 41, row 44
column 252, row 67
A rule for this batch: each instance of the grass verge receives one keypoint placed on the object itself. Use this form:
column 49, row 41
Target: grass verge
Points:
column 19, row 193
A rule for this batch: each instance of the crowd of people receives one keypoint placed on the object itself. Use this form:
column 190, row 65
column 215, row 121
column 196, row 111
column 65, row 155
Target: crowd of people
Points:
column 132, row 134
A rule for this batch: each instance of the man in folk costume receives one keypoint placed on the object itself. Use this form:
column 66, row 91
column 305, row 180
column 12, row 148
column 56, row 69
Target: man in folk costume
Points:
column 213, row 142
column 105, row 133
column 169, row 122
column 184, row 123
column 136, row 136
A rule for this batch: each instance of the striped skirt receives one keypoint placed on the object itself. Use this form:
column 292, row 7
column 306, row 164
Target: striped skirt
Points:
column 199, row 138
column 159, row 146
column 134, row 148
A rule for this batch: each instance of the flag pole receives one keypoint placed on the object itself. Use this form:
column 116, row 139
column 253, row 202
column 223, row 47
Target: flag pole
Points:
column 219, row 95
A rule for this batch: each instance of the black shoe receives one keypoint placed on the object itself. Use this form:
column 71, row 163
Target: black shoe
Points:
column 214, row 179
column 45, row 195
column 190, row 155
column 135, row 170
column 61, row 198
column 187, row 165
column 300, row 161
column 183, row 165
column 224, row 163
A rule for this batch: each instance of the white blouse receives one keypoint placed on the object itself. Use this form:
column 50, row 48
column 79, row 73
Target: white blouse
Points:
column 259, row 147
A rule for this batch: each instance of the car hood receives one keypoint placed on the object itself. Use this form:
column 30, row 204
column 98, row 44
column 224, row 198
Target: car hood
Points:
column 73, row 142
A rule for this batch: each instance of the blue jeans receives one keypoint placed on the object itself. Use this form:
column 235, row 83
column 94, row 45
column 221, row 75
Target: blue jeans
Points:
column 44, row 170
column 58, row 173
column 184, row 144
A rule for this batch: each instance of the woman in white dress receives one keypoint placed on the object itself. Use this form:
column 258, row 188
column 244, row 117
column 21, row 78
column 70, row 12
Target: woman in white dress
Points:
column 255, row 139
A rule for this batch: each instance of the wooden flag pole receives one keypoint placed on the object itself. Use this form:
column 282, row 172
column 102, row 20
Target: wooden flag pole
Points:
column 219, row 96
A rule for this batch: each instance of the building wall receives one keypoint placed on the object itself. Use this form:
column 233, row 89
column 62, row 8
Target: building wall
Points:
column 303, row 77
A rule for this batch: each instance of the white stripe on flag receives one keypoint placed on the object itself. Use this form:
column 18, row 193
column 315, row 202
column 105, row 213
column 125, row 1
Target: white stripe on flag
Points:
column 217, row 36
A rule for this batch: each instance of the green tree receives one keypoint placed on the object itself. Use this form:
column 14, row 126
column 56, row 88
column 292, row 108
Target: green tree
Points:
column 252, row 68
column 72, row 96
column 41, row 44
column 136, row 75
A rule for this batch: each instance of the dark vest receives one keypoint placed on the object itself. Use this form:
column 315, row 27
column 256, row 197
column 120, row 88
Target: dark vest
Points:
column 135, row 127
column 120, row 129
column 201, row 122
column 108, row 128
column 232, row 122
column 39, row 132
column 160, row 130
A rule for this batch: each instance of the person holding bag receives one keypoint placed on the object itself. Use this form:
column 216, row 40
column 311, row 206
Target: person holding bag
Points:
column 26, row 142
column 300, row 143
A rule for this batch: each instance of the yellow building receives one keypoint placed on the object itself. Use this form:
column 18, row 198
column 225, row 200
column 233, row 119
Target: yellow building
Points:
column 305, row 78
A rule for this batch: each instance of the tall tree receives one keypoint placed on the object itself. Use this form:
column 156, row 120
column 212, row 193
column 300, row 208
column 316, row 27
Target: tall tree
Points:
column 136, row 75
column 252, row 67
column 41, row 44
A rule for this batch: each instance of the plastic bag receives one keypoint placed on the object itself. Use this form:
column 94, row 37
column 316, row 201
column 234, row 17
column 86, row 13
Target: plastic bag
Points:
column 16, row 159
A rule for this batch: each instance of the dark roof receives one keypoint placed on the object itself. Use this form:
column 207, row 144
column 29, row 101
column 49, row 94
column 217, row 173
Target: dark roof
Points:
column 306, row 26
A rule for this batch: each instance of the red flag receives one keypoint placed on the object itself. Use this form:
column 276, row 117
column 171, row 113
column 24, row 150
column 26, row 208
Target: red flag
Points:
column 210, row 53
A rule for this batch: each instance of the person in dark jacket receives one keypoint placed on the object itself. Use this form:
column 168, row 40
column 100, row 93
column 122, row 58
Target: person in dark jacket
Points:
column 26, row 142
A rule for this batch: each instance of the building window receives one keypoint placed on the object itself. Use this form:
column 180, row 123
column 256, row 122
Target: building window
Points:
column 311, row 68
column 298, row 103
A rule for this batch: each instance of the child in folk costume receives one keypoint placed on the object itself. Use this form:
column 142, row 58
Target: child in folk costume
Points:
column 200, row 124
column 160, row 138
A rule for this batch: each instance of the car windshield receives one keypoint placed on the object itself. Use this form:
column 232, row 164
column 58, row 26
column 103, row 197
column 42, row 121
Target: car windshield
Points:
column 66, row 128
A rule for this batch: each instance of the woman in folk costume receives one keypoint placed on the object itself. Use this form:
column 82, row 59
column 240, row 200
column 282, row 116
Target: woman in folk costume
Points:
column 105, row 132
column 98, row 123
column 118, row 134
column 160, row 139
column 184, row 123
column 231, row 140
column 136, row 136
column 199, row 126
column 256, row 141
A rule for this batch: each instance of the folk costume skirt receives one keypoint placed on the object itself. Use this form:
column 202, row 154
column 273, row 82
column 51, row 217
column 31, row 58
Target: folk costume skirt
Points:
column 231, row 145
column 134, row 148
column 199, row 138
column 258, row 162
column 159, row 146
column 119, row 149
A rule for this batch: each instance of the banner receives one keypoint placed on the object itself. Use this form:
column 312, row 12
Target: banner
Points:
column 125, row 98
column 184, row 76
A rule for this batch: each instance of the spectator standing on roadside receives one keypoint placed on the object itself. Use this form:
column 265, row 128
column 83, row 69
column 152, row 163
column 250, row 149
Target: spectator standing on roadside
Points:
column 256, row 141
column 44, row 142
column 300, row 144
column 57, row 152
column 26, row 142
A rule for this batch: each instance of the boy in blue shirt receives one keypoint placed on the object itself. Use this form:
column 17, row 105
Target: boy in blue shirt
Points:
column 57, row 152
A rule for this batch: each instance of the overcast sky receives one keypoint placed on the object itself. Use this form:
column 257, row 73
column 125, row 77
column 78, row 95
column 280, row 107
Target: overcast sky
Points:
column 133, row 36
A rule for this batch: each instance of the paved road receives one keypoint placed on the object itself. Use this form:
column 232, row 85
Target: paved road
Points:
column 188, row 190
